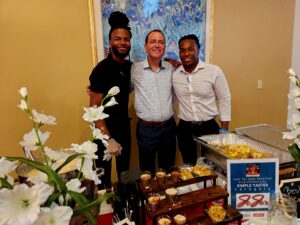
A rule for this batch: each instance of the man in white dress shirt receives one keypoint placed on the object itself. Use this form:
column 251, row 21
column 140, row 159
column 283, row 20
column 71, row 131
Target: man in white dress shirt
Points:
column 203, row 94
column 156, row 127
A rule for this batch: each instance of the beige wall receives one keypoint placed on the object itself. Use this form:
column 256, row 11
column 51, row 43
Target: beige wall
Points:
column 45, row 46
column 253, row 41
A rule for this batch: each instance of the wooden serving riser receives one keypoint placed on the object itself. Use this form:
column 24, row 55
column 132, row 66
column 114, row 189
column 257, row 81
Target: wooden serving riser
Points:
column 204, row 219
column 183, row 201
column 186, row 201
column 168, row 182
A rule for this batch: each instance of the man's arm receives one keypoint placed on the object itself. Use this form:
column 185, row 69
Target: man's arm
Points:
column 96, row 99
column 113, row 147
column 224, row 99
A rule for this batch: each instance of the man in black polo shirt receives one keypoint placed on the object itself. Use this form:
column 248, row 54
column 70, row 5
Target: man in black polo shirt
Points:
column 110, row 72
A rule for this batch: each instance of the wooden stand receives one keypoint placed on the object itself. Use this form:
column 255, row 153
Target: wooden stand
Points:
column 185, row 202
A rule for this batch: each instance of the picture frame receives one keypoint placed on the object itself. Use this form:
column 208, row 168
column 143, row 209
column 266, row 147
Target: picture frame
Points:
column 99, row 26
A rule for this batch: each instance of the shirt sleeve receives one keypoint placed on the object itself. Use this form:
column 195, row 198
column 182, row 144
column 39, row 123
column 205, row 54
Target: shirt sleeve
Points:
column 223, row 95
column 99, row 80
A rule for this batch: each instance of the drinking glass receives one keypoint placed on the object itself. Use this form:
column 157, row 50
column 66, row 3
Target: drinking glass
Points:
column 282, row 210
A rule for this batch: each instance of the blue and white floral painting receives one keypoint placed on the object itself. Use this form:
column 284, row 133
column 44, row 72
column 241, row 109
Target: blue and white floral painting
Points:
column 175, row 18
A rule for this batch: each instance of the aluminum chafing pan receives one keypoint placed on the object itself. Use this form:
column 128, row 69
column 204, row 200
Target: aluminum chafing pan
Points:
column 208, row 149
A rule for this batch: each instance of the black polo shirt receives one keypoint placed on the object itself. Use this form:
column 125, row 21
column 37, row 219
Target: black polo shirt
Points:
column 107, row 74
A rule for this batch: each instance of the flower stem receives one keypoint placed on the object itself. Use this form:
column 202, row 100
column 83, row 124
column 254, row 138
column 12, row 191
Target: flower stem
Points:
column 36, row 129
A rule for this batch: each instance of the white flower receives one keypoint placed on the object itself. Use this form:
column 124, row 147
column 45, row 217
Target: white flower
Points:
column 59, row 215
column 292, row 72
column 42, row 118
column 294, row 120
column 61, row 200
column 107, row 156
column 21, row 205
column 6, row 166
column 297, row 103
column 293, row 79
column 56, row 155
column 291, row 135
column 23, row 105
column 30, row 140
column 111, row 102
column 94, row 113
column 98, row 135
column 297, row 141
column 74, row 185
column 113, row 91
column 88, row 147
column 23, row 92
column 87, row 170
column 295, row 93
column 38, row 177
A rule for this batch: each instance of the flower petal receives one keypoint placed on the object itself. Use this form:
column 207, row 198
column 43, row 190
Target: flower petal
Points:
column 23, row 92
column 113, row 91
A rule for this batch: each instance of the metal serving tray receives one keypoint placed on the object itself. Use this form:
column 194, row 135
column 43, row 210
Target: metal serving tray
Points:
column 208, row 149
column 266, row 133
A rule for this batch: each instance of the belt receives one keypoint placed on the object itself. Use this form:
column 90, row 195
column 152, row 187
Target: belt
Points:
column 197, row 122
column 154, row 123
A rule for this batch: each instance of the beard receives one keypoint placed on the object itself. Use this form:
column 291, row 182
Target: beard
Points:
column 119, row 54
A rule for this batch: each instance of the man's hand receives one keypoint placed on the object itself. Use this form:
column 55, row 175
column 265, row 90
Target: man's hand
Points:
column 113, row 147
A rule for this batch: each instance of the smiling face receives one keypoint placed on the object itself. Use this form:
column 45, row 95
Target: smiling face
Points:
column 155, row 45
column 189, row 54
column 120, row 43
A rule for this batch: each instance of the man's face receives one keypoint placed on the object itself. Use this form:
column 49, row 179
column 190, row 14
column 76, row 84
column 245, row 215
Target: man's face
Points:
column 155, row 46
column 188, row 52
column 120, row 42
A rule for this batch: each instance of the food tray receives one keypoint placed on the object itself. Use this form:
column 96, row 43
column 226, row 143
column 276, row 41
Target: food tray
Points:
column 208, row 141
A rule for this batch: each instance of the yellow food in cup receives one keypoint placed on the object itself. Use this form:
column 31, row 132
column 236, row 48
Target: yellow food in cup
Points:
column 217, row 213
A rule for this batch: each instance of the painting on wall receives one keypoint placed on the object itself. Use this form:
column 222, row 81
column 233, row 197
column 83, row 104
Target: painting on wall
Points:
column 175, row 18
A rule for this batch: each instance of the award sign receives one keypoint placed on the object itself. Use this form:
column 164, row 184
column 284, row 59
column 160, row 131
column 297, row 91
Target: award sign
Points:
column 250, row 184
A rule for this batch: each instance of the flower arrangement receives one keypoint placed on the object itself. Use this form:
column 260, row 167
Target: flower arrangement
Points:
column 46, row 198
column 294, row 122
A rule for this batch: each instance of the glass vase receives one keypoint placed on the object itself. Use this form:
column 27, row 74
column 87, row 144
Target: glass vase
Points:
column 282, row 210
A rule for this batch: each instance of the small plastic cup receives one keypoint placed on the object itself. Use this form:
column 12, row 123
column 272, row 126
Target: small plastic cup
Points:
column 171, row 193
column 175, row 174
column 145, row 178
column 160, row 176
column 164, row 220
column 179, row 219
column 154, row 200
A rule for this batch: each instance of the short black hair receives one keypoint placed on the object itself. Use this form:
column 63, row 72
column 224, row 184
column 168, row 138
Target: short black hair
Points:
column 152, row 31
column 188, row 37
column 118, row 20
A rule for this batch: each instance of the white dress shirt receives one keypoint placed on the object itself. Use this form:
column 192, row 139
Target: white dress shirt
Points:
column 202, row 94
column 153, row 91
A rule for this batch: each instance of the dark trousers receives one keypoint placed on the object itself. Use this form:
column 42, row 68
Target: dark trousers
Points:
column 154, row 140
column 121, row 132
column 185, row 133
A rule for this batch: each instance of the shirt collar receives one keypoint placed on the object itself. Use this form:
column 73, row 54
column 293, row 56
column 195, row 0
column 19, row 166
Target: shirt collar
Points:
column 200, row 65
column 163, row 64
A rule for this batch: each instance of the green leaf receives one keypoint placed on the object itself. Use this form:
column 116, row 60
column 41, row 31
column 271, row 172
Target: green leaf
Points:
column 68, row 160
column 52, row 199
column 81, row 200
column 295, row 152
column 39, row 166
column 93, row 204
column 52, row 175
column 4, row 183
